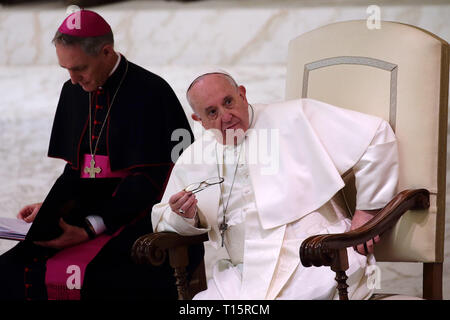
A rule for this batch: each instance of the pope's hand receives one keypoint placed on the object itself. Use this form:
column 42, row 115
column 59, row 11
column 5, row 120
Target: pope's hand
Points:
column 71, row 236
column 29, row 212
column 184, row 204
column 360, row 218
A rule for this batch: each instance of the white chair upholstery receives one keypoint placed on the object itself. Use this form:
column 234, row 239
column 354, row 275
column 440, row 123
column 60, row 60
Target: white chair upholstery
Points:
column 400, row 73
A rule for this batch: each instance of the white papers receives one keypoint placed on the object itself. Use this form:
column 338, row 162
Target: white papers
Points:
column 13, row 228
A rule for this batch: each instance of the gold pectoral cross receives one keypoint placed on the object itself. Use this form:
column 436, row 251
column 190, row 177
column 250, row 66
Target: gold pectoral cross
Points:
column 92, row 170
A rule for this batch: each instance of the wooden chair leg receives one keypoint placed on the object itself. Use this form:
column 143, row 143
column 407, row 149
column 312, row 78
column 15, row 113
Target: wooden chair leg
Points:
column 339, row 265
column 341, row 279
column 178, row 258
column 198, row 280
column 153, row 249
column 432, row 281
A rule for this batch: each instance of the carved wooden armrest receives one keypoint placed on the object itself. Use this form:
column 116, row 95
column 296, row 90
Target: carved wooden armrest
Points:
column 153, row 248
column 331, row 249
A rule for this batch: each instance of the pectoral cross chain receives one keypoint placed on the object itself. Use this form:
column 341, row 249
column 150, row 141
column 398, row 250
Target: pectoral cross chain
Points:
column 92, row 170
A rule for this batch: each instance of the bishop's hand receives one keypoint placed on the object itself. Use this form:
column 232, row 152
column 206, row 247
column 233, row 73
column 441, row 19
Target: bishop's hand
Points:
column 72, row 235
column 360, row 218
column 184, row 204
column 29, row 212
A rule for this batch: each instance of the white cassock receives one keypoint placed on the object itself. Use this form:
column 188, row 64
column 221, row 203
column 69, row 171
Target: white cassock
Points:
column 289, row 171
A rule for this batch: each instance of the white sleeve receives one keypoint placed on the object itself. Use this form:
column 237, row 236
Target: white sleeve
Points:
column 163, row 218
column 376, row 173
column 97, row 223
column 171, row 221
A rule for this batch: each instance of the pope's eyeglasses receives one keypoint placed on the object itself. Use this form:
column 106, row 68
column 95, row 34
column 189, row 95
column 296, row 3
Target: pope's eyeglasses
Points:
column 199, row 186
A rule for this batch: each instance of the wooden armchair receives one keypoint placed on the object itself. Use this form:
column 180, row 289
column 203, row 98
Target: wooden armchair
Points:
column 154, row 248
column 400, row 73
column 331, row 249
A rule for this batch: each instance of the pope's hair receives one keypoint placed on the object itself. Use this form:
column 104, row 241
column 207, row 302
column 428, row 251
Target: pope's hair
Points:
column 226, row 76
column 90, row 45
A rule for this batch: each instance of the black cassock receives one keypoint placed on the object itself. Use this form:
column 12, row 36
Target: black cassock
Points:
column 137, row 137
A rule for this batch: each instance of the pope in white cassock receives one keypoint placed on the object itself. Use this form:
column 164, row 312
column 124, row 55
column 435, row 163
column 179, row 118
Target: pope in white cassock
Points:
column 263, row 178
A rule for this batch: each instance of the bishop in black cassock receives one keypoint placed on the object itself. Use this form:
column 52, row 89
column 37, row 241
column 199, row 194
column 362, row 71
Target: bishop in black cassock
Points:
column 129, row 121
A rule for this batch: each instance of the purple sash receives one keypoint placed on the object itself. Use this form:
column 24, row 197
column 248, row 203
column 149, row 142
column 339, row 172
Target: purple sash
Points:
column 66, row 269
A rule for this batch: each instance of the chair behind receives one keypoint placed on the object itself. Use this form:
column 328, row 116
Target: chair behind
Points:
column 400, row 73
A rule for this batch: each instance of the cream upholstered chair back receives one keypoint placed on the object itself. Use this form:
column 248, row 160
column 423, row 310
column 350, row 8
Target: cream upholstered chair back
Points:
column 400, row 73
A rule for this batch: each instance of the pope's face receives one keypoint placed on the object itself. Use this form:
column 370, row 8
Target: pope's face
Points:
column 220, row 105
column 89, row 71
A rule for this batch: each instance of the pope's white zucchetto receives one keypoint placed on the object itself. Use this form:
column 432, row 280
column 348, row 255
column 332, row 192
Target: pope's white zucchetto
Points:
column 208, row 70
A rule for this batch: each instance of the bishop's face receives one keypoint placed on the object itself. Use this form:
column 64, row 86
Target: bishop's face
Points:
column 220, row 105
column 89, row 71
